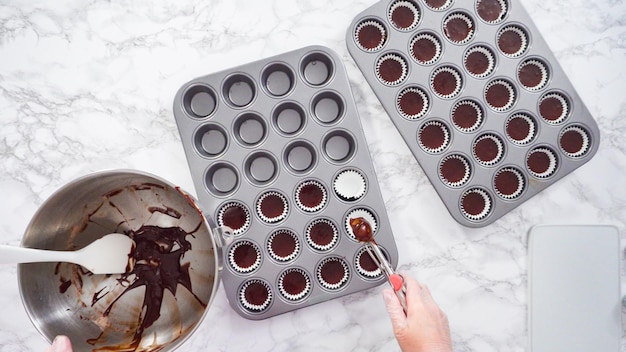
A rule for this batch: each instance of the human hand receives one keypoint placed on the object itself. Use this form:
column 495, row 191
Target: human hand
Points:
column 425, row 327
column 60, row 344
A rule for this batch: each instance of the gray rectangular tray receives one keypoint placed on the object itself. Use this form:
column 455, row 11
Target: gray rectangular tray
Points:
column 465, row 72
column 268, row 131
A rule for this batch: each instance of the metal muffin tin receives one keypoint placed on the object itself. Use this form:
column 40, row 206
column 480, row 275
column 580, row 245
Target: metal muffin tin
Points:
column 265, row 132
column 381, row 40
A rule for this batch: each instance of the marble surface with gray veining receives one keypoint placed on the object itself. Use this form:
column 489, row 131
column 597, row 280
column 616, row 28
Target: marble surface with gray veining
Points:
column 89, row 85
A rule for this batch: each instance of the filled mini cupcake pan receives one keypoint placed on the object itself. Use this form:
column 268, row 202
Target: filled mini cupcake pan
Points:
column 278, row 154
column 479, row 98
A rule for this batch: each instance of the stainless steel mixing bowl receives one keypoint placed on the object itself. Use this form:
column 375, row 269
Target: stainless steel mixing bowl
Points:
column 122, row 312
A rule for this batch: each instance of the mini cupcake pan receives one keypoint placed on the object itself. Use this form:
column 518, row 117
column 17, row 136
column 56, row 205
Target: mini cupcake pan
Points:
column 479, row 98
column 277, row 153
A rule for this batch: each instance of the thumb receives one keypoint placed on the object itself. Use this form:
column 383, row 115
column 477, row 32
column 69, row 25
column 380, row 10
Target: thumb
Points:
column 396, row 313
column 61, row 344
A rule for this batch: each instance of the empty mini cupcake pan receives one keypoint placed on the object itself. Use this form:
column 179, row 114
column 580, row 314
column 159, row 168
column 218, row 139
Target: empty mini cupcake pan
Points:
column 277, row 153
column 479, row 98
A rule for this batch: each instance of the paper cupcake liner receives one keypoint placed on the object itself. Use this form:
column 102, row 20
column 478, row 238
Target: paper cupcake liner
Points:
column 394, row 57
column 362, row 271
column 374, row 24
column 341, row 283
column 274, row 255
column 432, row 39
column 585, row 141
column 552, row 162
column 522, row 35
column 531, row 128
column 425, row 103
column 487, row 204
column 236, row 266
column 453, row 72
column 520, row 179
column 318, row 206
column 509, row 88
column 498, row 143
column 301, row 294
column 409, row 5
column 479, row 115
column 350, row 185
column 316, row 245
column 467, row 20
column 465, row 177
column 222, row 211
column 360, row 213
column 564, row 104
column 544, row 74
column 446, row 137
column 255, row 307
column 503, row 5
column 274, row 219
column 438, row 5
column 488, row 54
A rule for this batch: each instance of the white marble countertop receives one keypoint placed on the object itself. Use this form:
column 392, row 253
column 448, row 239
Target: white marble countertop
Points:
column 86, row 86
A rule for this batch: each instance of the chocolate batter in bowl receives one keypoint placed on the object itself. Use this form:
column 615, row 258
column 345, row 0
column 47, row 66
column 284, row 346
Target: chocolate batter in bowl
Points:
column 159, row 301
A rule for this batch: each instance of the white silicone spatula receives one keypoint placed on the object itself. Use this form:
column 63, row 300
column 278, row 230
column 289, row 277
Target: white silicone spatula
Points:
column 107, row 255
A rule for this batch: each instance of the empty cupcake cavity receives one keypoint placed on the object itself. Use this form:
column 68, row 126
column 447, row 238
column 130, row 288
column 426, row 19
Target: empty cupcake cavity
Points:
column 541, row 162
column 278, row 79
column 479, row 61
column 244, row 256
column 476, row 204
column 454, row 170
column 255, row 295
column 333, row 273
column 500, row 94
column 328, row 107
column 512, row 40
column 311, row 196
column 412, row 102
column 574, row 141
column 491, row 11
column 261, row 168
column 364, row 213
column 294, row 284
column 520, row 128
column 289, row 118
column 433, row 136
column 370, row 35
column 467, row 115
column 554, row 107
column 234, row 215
column 533, row 74
column 446, row 82
column 438, row 4
column 272, row 207
column 322, row 234
column 199, row 101
column 391, row 69
column 339, row 146
column 365, row 266
column 210, row 140
column 317, row 68
column 250, row 129
column 350, row 185
column 221, row 178
column 509, row 183
column 459, row 27
column 299, row 157
column 425, row 48
column 404, row 15
column 283, row 245
column 488, row 149
column 239, row 90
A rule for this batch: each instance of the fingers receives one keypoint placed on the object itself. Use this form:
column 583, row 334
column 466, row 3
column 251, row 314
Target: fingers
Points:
column 61, row 344
column 394, row 308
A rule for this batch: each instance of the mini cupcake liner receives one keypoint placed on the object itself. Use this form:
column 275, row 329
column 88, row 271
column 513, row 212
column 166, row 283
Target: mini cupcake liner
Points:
column 438, row 4
column 236, row 266
column 341, row 282
column 318, row 206
column 585, row 141
column 544, row 73
column 274, row 219
column 564, row 105
column 423, row 96
column 498, row 143
column 453, row 72
column 255, row 307
column 522, row 34
column 374, row 24
column 531, row 128
column 409, row 5
column 360, row 213
column 394, row 57
column 488, row 54
column 286, row 258
column 350, row 185
column 552, row 162
column 487, row 204
column 317, row 246
column 503, row 5
column 300, row 295
column 520, row 179
column 222, row 211
column 432, row 39
column 479, row 115
column 465, row 177
column 467, row 20
column 446, row 137
column 362, row 271
column 509, row 88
